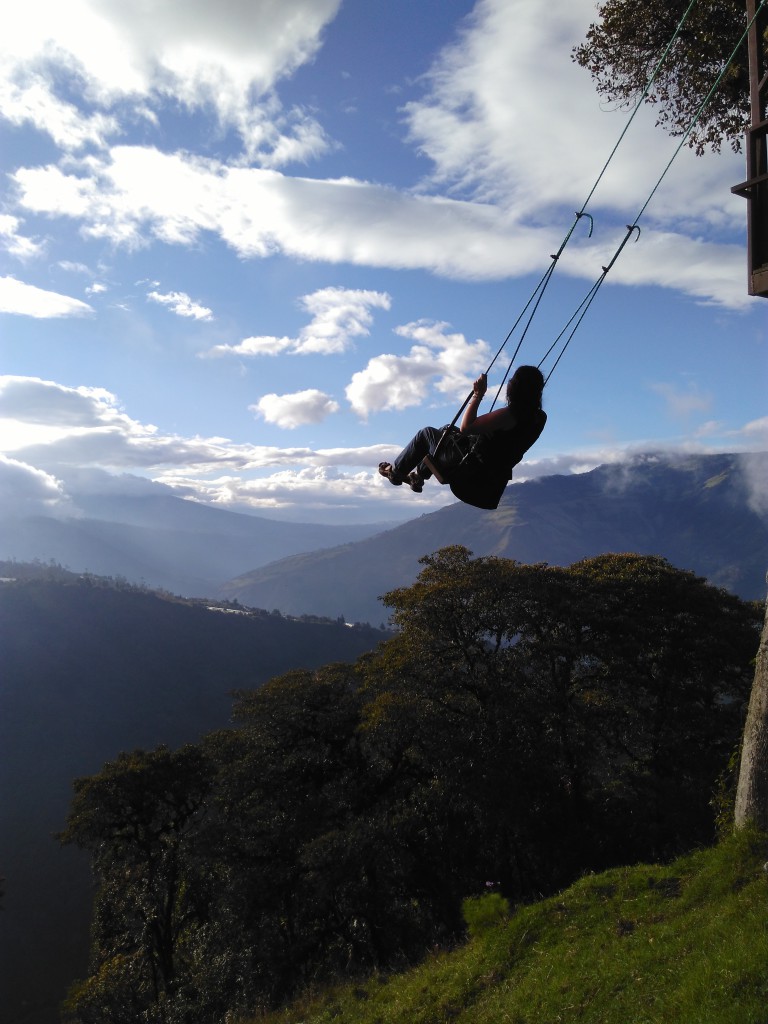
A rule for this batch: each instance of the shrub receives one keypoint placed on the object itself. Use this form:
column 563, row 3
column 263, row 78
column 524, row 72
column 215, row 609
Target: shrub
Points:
column 483, row 912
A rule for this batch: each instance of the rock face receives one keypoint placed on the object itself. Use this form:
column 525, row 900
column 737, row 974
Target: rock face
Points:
column 701, row 513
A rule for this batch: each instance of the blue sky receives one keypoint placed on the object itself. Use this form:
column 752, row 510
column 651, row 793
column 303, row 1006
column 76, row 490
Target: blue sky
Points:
column 248, row 248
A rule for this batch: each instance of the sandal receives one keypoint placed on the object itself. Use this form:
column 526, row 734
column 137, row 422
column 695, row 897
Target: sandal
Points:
column 415, row 482
column 387, row 470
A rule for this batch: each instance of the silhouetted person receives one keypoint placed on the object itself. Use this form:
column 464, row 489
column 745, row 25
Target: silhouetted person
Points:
column 477, row 460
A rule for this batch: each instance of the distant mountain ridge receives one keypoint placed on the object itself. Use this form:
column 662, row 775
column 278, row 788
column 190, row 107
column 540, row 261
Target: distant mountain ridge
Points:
column 164, row 541
column 696, row 511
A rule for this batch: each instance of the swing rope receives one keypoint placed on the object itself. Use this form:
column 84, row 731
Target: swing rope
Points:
column 586, row 302
column 538, row 292
column 581, row 310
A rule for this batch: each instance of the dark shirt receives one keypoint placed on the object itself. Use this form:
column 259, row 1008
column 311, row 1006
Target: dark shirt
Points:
column 483, row 479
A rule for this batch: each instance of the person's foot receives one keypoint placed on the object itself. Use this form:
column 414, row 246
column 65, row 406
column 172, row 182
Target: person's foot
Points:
column 387, row 470
column 415, row 481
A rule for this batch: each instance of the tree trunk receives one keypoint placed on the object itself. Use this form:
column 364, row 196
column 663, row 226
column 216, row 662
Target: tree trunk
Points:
column 752, row 791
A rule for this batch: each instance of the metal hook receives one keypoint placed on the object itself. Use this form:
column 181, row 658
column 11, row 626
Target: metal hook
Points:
column 591, row 222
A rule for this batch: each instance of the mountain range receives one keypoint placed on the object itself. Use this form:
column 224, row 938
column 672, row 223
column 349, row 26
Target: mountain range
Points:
column 163, row 541
column 704, row 513
column 707, row 513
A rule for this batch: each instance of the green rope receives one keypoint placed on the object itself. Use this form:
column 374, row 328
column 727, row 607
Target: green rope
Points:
column 590, row 296
column 702, row 106
column 642, row 98
column 541, row 287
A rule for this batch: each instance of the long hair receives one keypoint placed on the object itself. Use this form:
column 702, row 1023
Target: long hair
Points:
column 524, row 390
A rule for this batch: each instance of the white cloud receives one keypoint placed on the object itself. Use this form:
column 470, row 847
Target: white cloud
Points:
column 25, row 490
column 31, row 400
column 33, row 102
column 257, row 346
column 479, row 127
column 484, row 136
column 181, row 304
column 389, row 382
column 753, row 467
column 51, row 425
column 28, row 300
column 322, row 492
column 711, row 272
column 338, row 316
column 296, row 410
column 512, row 205
column 757, row 432
column 397, row 382
column 92, row 481
column 12, row 241
column 200, row 55
column 136, row 194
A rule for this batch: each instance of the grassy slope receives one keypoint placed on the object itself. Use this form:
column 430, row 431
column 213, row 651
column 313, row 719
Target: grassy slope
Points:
column 685, row 943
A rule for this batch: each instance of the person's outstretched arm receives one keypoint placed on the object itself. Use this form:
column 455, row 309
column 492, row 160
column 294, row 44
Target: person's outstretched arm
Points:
column 499, row 419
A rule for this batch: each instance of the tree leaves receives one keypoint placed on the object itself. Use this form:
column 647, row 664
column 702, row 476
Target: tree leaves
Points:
column 622, row 50
column 526, row 724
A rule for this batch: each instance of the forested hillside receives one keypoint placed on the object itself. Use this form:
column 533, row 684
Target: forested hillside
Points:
column 677, row 943
column 89, row 668
column 527, row 724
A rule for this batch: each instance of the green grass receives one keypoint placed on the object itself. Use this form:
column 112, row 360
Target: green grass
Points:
column 683, row 943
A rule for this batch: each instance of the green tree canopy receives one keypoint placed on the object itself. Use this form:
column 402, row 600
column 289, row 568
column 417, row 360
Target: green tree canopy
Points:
column 526, row 724
column 623, row 47
column 137, row 818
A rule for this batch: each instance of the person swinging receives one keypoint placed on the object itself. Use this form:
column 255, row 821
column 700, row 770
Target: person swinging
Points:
column 477, row 460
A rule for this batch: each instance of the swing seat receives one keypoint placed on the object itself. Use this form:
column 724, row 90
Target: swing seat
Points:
column 454, row 453
column 435, row 470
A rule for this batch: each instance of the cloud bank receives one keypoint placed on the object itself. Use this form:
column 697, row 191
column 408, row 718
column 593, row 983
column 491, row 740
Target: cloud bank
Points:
column 138, row 194
column 62, row 440
column 496, row 202
column 26, row 491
